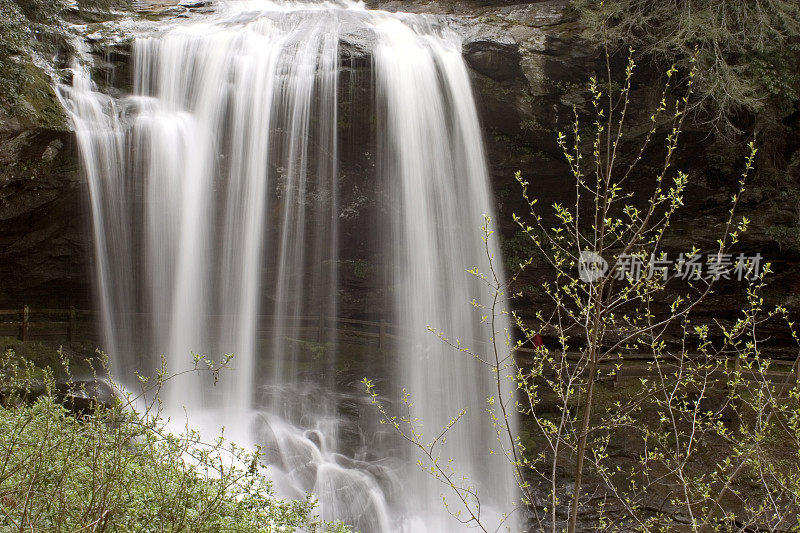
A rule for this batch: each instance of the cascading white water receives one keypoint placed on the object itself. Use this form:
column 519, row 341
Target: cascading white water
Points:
column 245, row 95
column 233, row 129
column 435, row 165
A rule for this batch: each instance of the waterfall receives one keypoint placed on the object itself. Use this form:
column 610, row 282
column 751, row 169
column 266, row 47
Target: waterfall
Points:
column 216, row 194
column 437, row 173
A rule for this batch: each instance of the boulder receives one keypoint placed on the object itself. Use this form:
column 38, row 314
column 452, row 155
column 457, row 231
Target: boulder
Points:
column 497, row 60
column 84, row 396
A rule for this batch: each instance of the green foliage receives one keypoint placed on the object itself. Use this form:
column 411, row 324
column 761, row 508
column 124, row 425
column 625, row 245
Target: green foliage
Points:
column 517, row 250
column 43, row 355
column 747, row 53
column 698, row 377
column 704, row 419
column 314, row 350
column 787, row 237
column 118, row 469
column 361, row 268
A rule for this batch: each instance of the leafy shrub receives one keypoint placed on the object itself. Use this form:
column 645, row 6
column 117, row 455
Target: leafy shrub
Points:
column 118, row 469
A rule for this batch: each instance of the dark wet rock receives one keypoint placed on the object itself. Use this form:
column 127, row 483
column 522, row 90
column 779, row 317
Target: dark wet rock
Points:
column 79, row 396
column 383, row 475
column 112, row 67
column 44, row 244
column 264, row 435
column 289, row 449
column 355, row 46
column 499, row 61
column 27, row 392
column 195, row 4
column 84, row 396
column 314, row 436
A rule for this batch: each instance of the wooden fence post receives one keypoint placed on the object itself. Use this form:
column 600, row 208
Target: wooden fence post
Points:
column 382, row 335
column 23, row 327
column 72, row 324
column 321, row 327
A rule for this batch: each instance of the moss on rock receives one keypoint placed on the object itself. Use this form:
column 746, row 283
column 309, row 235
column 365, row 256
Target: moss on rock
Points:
column 28, row 32
column 38, row 99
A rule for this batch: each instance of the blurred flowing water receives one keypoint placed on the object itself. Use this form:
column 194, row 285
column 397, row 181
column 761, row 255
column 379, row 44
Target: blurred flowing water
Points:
column 232, row 128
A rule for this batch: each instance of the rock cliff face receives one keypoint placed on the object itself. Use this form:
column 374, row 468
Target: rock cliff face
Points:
column 528, row 66
column 45, row 223
column 44, row 238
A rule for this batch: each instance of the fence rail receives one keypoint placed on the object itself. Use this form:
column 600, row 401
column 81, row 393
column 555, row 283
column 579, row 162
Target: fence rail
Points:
column 70, row 324
column 27, row 323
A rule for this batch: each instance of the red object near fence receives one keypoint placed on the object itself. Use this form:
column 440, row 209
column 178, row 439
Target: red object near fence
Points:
column 537, row 341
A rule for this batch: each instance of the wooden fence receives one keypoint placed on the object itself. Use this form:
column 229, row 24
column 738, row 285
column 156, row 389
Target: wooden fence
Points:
column 74, row 324
column 71, row 324
column 46, row 324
